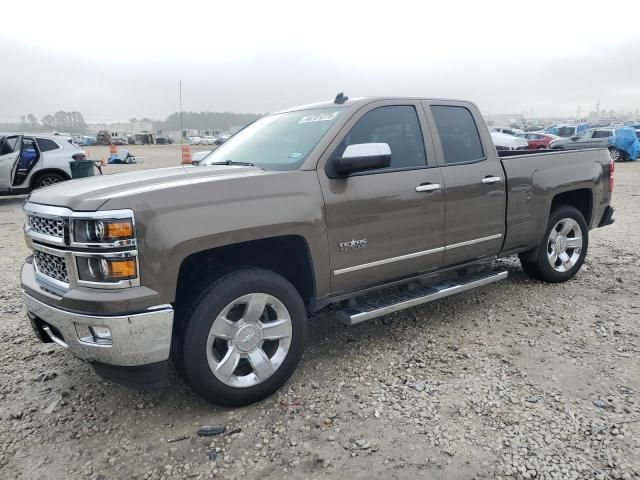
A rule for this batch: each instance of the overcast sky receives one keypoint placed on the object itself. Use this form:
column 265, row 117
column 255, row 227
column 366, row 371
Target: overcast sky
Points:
column 118, row 60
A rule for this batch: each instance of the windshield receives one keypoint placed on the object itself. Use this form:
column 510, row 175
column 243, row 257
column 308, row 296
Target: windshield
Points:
column 276, row 142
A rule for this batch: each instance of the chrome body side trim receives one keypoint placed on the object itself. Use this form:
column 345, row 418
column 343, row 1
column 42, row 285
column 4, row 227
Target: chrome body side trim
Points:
column 138, row 339
column 414, row 255
column 474, row 241
column 387, row 260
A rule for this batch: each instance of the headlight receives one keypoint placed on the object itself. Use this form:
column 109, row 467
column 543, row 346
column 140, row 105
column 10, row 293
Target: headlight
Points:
column 102, row 230
column 107, row 269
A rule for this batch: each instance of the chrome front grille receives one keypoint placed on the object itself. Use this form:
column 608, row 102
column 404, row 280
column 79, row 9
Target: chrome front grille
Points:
column 51, row 266
column 53, row 227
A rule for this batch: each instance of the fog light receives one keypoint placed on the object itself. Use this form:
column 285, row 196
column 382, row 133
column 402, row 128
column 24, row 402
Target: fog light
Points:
column 97, row 335
column 101, row 332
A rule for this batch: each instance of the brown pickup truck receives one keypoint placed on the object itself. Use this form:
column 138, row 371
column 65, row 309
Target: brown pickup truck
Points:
column 373, row 204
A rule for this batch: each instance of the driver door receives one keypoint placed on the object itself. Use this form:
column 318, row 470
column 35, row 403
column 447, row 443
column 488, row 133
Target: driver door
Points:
column 387, row 223
column 10, row 147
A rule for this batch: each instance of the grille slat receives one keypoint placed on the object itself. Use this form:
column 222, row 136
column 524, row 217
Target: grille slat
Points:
column 54, row 227
column 51, row 266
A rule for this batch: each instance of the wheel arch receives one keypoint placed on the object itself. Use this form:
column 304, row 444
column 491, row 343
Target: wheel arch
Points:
column 287, row 255
column 39, row 173
column 581, row 199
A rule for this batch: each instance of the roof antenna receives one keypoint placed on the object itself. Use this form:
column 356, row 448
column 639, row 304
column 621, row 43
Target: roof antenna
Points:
column 340, row 98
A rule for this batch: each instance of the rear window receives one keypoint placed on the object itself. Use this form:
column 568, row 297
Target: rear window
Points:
column 458, row 134
column 46, row 145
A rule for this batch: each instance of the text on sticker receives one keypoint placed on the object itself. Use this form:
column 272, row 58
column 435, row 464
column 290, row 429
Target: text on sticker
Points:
column 319, row 117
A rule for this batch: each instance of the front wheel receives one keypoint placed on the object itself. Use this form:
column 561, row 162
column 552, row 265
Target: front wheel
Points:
column 244, row 337
column 562, row 249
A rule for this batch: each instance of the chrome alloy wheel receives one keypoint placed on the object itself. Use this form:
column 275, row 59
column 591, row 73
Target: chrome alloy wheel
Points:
column 615, row 154
column 49, row 180
column 249, row 340
column 564, row 244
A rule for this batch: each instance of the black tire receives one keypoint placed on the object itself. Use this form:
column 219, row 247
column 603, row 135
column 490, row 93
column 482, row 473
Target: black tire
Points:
column 48, row 178
column 541, row 268
column 190, row 347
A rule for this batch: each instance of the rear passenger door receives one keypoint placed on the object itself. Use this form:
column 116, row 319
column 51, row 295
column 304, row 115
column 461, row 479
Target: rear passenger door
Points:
column 473, row 180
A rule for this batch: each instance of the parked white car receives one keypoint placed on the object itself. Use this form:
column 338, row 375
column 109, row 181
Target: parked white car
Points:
column 195, row 140
column 508, row 130
column 504, row 141
column 31, row 161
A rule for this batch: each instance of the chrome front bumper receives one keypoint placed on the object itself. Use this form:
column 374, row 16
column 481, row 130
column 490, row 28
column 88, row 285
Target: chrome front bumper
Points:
column 137, row 339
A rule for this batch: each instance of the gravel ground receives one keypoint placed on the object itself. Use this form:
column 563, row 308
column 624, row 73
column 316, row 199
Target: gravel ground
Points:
column 515, row 380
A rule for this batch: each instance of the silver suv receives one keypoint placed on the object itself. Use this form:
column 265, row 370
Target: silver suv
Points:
column 31, row 161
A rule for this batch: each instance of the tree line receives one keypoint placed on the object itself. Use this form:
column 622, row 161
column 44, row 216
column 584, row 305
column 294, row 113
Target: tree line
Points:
column 205, row 120
column 60, row 121
column 73, row 122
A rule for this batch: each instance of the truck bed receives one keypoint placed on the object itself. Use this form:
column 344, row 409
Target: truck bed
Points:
column 534, row 178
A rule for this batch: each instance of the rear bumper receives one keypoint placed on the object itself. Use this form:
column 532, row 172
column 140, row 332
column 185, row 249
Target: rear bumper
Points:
column 136, row 339
column 607, row 217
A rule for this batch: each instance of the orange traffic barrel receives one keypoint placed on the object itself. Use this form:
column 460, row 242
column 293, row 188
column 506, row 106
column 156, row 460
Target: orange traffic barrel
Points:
column 187, row 159
column 113, row 150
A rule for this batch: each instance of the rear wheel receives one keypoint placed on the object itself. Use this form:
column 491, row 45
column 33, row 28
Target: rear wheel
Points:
column 244, row 338
column 617, row 155
column 46, row 179
column 562, row 249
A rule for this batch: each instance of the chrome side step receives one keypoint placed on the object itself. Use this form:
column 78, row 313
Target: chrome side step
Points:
column 371, row 308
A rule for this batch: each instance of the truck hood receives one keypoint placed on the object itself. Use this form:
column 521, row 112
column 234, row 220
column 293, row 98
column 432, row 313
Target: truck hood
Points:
column 89, row 194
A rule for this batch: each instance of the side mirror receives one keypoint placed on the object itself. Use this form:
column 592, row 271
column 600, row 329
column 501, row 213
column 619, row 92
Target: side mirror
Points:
column 363, row 156
column 574, row 138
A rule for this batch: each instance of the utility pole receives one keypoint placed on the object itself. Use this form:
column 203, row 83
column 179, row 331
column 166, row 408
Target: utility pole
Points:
column 181, row 130
column 598, row 107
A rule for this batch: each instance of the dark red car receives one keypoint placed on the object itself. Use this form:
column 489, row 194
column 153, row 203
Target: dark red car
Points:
column 539, row 141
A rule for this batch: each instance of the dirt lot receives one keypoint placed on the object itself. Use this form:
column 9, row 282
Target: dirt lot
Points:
column 516, row 380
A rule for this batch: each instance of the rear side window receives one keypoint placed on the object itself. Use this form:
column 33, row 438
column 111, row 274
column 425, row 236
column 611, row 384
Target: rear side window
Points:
column 397, row 126
column 46, row 145
column 602, row 133
column 458, row 134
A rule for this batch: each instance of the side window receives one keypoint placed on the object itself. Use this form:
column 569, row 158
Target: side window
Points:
column 458, row 134
column 602, row 133
column 46, row 145
column 586, row 134
column 8, row 145
column 397, row 126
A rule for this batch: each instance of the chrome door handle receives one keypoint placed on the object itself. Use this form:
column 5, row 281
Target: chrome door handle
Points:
column 428, row 187
column 491, row 180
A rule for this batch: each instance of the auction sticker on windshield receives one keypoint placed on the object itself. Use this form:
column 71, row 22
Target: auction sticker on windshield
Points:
column 319, row 117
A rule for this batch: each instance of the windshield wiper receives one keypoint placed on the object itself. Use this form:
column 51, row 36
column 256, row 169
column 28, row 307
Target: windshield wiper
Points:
column 231, row 162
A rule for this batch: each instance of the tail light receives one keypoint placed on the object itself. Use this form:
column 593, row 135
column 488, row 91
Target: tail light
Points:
column 78, row 156
column 612, row 165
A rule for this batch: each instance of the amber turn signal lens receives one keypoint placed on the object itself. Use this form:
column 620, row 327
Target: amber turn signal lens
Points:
column 118, row 229
column 119, row 269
